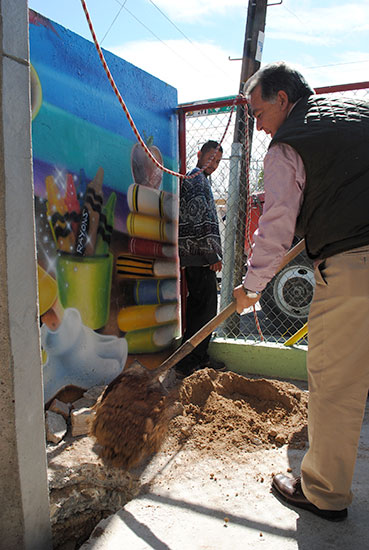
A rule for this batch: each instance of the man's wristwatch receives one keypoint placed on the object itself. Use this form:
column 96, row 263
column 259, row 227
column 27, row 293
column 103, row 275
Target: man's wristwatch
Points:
column 251, row 293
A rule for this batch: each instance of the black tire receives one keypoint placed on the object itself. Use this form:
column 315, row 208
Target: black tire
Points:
column 287, row 297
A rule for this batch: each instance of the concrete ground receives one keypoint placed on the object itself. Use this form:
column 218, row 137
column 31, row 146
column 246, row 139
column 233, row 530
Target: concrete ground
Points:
column 207, row 504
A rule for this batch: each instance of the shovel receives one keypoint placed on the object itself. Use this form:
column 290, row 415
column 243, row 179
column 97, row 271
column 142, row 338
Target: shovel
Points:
column 207, row 329
column 133, row 413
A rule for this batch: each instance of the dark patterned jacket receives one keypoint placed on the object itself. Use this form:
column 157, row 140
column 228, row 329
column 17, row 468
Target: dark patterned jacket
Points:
column 198, row 237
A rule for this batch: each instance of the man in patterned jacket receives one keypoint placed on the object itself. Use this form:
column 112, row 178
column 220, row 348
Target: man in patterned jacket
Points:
column 200, row 253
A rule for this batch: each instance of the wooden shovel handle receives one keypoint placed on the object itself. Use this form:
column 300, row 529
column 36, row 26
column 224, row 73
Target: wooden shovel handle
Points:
column 207, row 329
column 291, row 254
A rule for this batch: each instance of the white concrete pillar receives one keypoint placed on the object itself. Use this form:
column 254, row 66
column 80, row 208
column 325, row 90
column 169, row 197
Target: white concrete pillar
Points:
column 24, row 507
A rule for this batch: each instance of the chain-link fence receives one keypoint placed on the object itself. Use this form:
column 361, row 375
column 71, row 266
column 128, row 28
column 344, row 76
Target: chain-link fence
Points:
column 284, row 305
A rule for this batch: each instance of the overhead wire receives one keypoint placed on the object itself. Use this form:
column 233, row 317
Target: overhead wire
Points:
column 331, row 64
column 162, row 41
column 292, row 13
column 158, row 38
column 112, row 23
column 185, row 36
column 338, row 64
column 170, row 21
column 128, row 115
column 145, row 147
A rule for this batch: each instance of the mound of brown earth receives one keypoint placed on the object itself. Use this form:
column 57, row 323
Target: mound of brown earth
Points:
column 216, row 416
column 221, row 412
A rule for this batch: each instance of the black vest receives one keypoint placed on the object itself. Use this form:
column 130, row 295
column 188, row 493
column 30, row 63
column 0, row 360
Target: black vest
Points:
column 332, row 138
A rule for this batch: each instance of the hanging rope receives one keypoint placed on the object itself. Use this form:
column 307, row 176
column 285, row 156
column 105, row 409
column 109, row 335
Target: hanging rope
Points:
column 151, row 156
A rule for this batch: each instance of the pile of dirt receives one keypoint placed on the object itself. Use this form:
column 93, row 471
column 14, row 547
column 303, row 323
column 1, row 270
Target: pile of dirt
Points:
column 225, row 412
column 215, row 416
column 213, row 411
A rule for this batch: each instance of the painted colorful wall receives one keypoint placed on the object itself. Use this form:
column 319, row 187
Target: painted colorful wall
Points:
column 106, row 216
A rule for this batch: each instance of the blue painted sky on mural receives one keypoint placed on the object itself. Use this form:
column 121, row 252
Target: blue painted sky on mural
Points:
column 187, row 43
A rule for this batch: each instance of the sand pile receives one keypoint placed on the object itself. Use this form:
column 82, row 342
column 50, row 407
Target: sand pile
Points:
column 225, row 412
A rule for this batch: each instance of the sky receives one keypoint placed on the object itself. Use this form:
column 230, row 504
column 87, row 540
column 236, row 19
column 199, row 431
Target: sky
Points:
column 194, row 45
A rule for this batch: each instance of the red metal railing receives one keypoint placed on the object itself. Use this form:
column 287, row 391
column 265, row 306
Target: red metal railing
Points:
column 185, row 108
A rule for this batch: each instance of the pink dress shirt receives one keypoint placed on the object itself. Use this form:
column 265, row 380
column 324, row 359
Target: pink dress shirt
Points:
column 284, row 182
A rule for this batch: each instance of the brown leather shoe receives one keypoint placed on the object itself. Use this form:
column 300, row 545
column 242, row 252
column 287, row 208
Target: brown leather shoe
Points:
column 290, row 490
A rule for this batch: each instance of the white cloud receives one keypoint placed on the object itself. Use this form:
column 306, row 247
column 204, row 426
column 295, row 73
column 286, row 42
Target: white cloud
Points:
column 202, row 70
column 327, row 42
column 309, row 17
column 198, row 70
column 191, row 10
column 320, row 40
column 304, row 21
column 334, row 74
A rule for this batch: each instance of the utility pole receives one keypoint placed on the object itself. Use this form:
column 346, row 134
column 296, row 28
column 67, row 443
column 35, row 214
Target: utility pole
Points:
column 251, row 58
column 252, row 49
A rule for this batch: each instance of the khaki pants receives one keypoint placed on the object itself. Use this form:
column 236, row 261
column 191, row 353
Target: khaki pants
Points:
column 338, row 374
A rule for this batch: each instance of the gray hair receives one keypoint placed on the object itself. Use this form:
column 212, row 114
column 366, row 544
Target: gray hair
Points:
column 275, row 77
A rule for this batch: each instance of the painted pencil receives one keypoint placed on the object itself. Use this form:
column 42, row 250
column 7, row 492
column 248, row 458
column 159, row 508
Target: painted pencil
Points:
column 152, row 202
column 137, row 267
column 140, row 317
column 146, row 248
column 154, row 291
column 149, row 227
column 151, row 340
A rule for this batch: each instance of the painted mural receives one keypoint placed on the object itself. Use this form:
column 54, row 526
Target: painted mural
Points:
column 106, row 216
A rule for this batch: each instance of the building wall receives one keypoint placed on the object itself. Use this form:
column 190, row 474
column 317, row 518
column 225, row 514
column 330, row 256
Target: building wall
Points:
column 24, row 511
column 106, row 216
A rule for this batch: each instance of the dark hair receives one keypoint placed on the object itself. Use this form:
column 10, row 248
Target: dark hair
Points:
column 275, row 77
column 211, row 145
